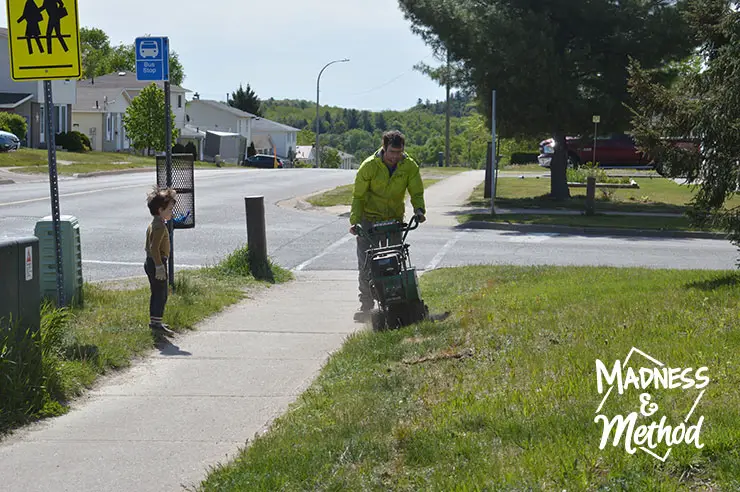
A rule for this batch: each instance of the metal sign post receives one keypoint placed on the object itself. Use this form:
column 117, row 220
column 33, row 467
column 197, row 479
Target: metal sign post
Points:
column 153, row 64
column 494, row 153
column 596, row 120
column 37, row 57
column 168, row 156
column 54, row 189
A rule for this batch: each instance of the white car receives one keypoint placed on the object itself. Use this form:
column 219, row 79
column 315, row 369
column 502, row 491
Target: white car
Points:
column 149, row 49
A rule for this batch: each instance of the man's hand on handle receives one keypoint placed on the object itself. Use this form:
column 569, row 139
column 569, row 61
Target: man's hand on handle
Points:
column 420, row 215
column 353, row 230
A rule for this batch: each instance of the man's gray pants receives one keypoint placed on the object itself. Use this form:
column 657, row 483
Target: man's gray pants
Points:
column 363, row 262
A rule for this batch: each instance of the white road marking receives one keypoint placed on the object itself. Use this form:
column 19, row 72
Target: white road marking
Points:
column 442, row 252
column 328, row 250
column 32, row 200
column 98, row 190
column 532, row 238
column 131, row 263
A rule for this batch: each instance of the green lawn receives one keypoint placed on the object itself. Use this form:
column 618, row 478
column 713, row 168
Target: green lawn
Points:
column 35, row 161
column 599, row 220
column 654, row 195
column 39, row 157
column 503, row 394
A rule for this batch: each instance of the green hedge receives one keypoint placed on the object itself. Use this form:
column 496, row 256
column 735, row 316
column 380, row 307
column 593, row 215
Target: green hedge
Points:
column 73, row 141
column 13, row 123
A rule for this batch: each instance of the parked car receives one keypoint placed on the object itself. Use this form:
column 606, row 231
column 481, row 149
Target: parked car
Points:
column 8, row 141
column 264, row 161
column 617, row 149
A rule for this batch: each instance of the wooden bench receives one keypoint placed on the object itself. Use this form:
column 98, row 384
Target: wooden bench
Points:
column 591, row 186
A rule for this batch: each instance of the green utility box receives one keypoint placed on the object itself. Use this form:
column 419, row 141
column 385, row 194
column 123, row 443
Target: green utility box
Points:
column 19, row 284
column 71, row 258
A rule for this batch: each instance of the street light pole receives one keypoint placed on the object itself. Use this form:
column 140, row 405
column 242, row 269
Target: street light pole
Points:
column 318, row 123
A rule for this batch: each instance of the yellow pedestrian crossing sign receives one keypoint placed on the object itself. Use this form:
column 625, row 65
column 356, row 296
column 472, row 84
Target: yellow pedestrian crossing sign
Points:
column 43, row 39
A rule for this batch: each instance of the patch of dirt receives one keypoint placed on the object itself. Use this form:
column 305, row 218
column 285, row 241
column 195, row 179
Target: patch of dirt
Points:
column 131, row 283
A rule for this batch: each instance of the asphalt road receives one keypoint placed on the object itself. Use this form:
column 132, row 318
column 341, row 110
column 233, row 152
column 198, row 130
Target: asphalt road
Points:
column 113, row 219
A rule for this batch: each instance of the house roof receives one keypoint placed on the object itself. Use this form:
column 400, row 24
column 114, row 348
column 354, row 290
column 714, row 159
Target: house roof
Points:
column 123, row 80
column 190, row 131
column 10, row 100
column 93, row 99
column 264, row 125
column 223, row 134
column 223, row 107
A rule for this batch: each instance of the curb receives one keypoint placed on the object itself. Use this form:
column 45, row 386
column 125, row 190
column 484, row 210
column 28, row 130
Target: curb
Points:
column 592, row 231
column 111, row 173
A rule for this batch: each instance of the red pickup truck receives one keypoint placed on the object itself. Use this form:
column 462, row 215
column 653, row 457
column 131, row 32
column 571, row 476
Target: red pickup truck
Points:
column 617, row 149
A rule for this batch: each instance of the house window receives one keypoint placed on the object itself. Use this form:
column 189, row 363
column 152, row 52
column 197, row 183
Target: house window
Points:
column 109, row 127
column 62, row 121
column 179, row 101
column 42, row 124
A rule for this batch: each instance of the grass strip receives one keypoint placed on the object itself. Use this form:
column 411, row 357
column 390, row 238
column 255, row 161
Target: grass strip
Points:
column 79, row 344
column 503, row 395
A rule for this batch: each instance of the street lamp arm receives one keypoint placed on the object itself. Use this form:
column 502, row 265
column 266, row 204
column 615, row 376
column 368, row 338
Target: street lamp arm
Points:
column 318, row 126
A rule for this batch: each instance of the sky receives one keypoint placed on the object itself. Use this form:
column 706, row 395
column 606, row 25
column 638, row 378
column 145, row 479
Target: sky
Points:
column 279, row 47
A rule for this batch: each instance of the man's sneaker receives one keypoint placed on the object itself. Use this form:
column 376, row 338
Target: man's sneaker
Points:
column 162, row 329
column 363, row 314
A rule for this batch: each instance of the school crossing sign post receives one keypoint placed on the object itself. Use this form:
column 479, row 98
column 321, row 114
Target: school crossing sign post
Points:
column 44, row 44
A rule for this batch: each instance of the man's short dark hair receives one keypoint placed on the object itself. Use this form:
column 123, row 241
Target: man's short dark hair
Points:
column 394, row 138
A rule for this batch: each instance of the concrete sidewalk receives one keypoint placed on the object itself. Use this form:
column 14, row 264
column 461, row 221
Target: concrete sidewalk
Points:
column 161, row 425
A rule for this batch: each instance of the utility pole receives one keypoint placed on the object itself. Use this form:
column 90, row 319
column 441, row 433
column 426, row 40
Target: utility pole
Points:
column 447, row 121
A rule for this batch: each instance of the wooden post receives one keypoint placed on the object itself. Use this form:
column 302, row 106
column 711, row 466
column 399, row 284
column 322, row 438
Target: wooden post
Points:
column 256, row 236
column 590, row 195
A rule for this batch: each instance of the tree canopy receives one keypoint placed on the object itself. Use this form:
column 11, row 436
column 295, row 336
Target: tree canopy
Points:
column 704, row 104
column 360, row 132
column 144, row 120
column 246, row 100
column 553, row 63
column 100, row 58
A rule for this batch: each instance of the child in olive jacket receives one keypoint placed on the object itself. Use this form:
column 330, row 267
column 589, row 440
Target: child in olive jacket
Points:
column 157, row 247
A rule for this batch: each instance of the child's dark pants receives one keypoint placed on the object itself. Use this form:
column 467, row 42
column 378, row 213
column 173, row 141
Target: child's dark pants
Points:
column 159, row 289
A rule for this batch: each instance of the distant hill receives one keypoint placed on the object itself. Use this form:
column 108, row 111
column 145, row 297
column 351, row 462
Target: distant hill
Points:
column 359, row 132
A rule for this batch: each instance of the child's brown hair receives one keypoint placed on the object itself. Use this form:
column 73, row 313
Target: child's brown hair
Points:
column 159, row 198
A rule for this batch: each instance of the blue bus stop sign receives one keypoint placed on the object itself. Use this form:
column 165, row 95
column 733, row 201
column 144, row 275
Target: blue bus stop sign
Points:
column 152, row 59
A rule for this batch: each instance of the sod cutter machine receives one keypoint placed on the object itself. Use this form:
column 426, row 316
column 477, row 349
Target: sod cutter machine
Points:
column 393, row 280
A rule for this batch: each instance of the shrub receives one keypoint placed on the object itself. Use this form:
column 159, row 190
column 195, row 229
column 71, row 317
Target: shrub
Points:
column 85, row 141
column 191, row 149
column 13, row 123
column 178, row 148
column 302, row 164
column 523, row 158
column 73, row 141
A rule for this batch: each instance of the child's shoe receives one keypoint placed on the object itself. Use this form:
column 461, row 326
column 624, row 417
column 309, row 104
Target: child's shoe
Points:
column 161, row 328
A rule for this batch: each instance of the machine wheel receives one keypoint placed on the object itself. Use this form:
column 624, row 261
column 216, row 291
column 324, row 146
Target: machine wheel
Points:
column 398, row 316
column 378, row 319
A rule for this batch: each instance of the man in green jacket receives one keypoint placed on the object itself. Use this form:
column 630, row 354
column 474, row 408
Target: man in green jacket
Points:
column 379, row 195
